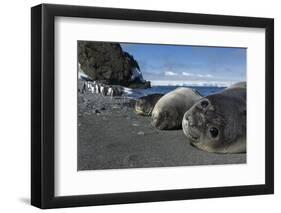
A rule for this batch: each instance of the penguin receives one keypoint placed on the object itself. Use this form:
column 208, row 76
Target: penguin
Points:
column 109, row 91
column 92, row 89
column 84, row 88
column 101, row 88
column 88, row 85
column 97, row 88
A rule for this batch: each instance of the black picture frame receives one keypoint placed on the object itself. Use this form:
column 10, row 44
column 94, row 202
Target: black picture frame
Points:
column 43, row 117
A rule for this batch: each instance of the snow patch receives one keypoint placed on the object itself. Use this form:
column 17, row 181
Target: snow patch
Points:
column 82, row 75
column 137, row 75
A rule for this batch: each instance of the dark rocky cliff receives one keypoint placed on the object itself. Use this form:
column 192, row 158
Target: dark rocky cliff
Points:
column 106, row 61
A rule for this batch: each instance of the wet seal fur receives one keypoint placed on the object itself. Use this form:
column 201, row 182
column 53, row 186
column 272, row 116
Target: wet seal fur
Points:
column 169, row 110
column 217, row 123
column 145, row 104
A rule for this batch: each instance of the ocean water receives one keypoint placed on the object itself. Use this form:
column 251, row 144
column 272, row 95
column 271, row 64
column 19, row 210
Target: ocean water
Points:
column 204, row 91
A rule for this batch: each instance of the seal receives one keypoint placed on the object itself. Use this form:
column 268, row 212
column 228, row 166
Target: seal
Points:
column 145, row 104
column 169, row 110
column 217, row 123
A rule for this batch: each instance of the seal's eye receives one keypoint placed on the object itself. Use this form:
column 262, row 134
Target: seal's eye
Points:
column 204, row 104
column 214, row 132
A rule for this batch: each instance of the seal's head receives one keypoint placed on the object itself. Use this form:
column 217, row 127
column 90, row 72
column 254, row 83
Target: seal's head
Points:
column 145, row 104
column 217, row 124
column 166, row 119
column 143, row 107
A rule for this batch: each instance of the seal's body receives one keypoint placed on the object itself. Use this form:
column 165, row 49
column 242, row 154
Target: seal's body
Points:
column 169, row 110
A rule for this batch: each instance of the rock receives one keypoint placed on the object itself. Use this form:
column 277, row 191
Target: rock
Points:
column 138, row 85
column 96, row 111
column 106, row 61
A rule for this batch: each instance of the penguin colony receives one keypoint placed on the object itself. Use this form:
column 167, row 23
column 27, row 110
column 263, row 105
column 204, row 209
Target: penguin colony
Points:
column 100, row 88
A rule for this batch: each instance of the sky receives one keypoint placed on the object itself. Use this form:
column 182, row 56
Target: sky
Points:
column 189, row 65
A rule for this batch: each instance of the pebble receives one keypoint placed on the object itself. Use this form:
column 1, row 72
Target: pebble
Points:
column 96, row 111
column 140, row 133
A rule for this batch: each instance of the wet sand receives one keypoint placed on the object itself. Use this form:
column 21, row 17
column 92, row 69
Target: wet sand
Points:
column 112, row 136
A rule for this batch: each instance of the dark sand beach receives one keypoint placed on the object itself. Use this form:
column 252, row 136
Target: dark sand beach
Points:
column 112, row 136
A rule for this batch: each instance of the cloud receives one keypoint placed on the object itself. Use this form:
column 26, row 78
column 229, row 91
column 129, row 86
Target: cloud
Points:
column 209, row 76
column 197, row 75
column 204, row 76
column 187, row 74
column 169, row 73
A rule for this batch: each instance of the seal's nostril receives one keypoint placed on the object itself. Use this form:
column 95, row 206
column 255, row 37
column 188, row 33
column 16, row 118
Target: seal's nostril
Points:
column 204, row 104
